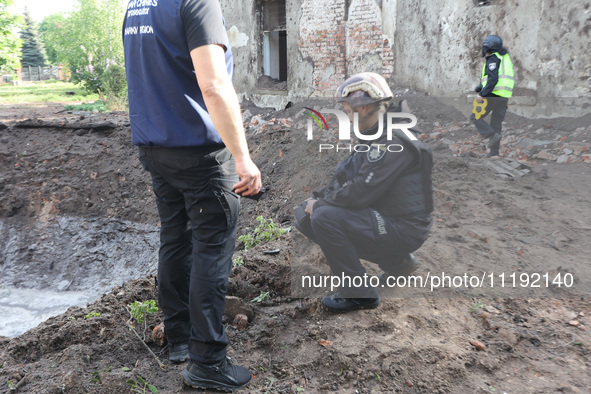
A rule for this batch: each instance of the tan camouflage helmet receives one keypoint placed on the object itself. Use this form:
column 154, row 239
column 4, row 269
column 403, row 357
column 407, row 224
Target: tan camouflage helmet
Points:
column 363, row 89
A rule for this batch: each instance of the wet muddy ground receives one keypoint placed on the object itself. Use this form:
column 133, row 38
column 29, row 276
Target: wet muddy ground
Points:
column 77, row 215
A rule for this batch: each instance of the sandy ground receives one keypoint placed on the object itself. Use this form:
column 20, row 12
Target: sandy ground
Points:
column 536, row 339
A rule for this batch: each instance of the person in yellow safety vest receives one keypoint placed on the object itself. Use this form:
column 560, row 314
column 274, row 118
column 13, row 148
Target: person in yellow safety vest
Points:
column 496, row 86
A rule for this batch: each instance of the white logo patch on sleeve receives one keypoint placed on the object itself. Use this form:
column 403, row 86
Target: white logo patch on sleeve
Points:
column 492, row 66
column 375, row 153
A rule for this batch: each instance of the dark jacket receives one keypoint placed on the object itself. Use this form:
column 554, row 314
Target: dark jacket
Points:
column 396, row 184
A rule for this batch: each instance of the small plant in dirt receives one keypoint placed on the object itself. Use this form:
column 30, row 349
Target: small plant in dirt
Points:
column 237, row 261
column 266, row 231
column 269, row 382
column 140, row 386
column 263, row 297
column 92, row 314
column 477, row 304
column 139, row 310
column 96, row 375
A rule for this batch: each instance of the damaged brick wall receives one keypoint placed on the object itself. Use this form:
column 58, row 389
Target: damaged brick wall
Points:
column 341, row 38
column 428, row 46
column 322, row 42
column 367, row 47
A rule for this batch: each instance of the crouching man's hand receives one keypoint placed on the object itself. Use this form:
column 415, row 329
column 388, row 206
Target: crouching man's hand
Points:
column 310, row 206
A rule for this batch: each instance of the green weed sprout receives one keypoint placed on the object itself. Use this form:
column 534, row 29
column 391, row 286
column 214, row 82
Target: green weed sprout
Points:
column 140, row 386
column 139, row 310
column 266, row 231
column 237, row 261
column 263, row 297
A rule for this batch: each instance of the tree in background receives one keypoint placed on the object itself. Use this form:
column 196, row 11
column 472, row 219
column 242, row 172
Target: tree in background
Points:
column 32, row 51
column 88, row 41
column 51, row 30
column 9, row 42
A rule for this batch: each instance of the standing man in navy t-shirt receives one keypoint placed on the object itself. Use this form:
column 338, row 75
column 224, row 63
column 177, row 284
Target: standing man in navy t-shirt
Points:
column 185, row 119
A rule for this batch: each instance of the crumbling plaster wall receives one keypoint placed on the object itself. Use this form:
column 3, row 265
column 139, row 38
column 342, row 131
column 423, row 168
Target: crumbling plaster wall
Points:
column 241, row 21
column 437, row 50
column 428, row 46
column 327, row 40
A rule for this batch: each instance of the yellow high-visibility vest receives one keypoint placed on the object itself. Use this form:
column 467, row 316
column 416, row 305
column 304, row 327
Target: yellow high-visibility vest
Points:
column 504, row 86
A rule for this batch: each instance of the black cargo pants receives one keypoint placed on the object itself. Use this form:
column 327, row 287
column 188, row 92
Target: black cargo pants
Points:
column 198, row 214
column 346, row 235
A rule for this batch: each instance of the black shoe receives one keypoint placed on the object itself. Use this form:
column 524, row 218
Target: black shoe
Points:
column 493, row 139
column 335, row 303
column 492, row 156
column 178, row 352
column 222, row 375
column 407, row 266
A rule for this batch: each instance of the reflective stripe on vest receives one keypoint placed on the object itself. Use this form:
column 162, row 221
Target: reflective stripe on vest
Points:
column 506, row 82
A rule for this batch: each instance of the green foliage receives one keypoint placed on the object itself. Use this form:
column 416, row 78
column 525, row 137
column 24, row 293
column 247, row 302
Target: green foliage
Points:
column 477, row 304
column 97, row 106
column 49, row 28
column 46, row 91
column 139, row 310
column 237, row 261
column 114, row 80
column 263, row 297
column 96, row 376
column 32, row 51
column 114, row 93
column 140, row 386
column 92, row 314
column 266, row 231
column 88, row 41
column 10, row 43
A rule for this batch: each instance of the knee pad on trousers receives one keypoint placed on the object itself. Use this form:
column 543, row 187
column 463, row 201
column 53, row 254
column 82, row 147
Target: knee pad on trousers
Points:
column 303, row 222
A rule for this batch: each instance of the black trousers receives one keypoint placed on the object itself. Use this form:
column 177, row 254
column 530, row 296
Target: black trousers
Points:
column 346, row 235
column 198, row 214
column 497, row 107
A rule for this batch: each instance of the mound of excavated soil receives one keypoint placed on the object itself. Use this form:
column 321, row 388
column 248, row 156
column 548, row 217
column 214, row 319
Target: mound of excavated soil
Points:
column 534, row 339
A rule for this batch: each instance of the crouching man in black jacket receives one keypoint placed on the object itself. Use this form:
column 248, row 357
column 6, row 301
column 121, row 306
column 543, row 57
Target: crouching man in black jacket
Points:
column 378, row 204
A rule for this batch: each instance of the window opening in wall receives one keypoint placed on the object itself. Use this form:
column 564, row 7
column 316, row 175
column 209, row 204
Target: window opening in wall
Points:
column 274, row 39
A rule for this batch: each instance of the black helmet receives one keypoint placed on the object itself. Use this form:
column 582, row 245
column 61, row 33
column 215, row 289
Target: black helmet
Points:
column 492, row 44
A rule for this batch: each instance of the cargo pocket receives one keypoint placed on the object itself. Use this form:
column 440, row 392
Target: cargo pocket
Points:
column 230, row 203
column 229, row 200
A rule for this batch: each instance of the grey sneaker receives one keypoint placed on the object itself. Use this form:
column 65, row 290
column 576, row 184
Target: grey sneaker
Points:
column 222, row 375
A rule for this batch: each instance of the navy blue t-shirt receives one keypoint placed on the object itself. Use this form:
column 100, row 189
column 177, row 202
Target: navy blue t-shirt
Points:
column 166, row 107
